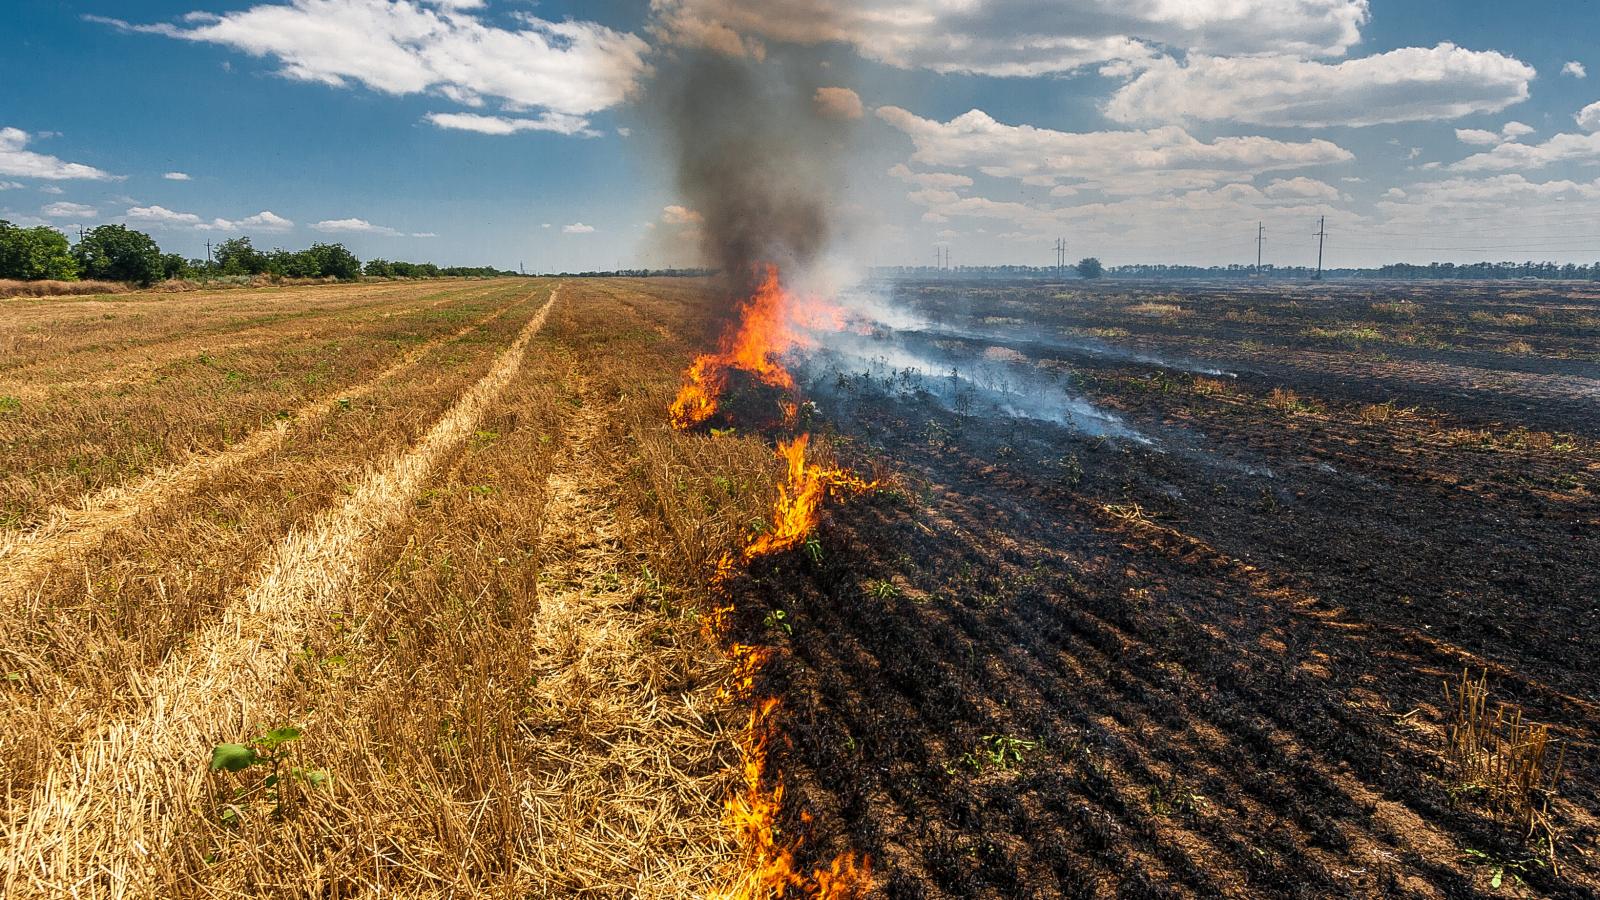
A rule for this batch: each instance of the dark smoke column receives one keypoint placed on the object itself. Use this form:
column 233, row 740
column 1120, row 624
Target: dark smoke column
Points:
column 755, row 153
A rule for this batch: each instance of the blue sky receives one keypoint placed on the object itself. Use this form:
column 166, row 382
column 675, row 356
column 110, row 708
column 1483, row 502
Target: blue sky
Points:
column 1421, row 130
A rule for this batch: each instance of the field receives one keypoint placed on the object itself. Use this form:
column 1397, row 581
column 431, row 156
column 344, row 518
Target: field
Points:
column 1154, row 595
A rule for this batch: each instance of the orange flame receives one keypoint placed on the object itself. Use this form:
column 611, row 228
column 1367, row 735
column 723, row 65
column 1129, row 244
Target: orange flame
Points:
column 763, row 333
column 770, row 322
column 800, row 499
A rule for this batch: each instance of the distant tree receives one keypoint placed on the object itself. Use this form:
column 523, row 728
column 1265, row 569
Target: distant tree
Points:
column 378, row 268
column 173, row 265
column 35, row 253
column 236, row 256
column 334, row 261
column 1089, row 267
column 118, row 253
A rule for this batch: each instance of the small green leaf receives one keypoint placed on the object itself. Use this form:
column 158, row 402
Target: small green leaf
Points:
column 313, row 777
column 278, row 736
column 1499, row 876
column 233, row 757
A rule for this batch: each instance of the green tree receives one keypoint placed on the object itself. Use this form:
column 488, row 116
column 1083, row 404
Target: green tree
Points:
column 334, row 261
column 35, row 253
column 1089, row 267
column 118, row 253
column 378, row 268
column 236, row 256
column 173, row 265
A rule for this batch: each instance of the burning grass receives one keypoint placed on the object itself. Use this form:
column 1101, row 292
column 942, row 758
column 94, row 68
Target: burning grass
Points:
column 766, row 326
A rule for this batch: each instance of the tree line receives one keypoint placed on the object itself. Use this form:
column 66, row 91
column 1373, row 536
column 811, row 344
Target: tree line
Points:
column 119, row 253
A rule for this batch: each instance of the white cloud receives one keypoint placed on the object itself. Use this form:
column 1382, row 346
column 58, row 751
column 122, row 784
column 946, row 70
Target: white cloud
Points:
column 15, row 160
column 1301, row 188
column 1575, row 69
column 176, row 176
column 624, row 132
column 556, row 122
column 929, row 179
column 680, row 215
column 1406, row 85
column 571, row 68
column 545, row 225
column 1510, row 155
column 353, row 226
column 577, row 228
column 423, row 234
column 1016, row 37
column 1494, row 216
column 1477, row 136
column 161, row 217
column 69, row 211
column 1588, row 118
column 1513, row 130
column 838, row 103
column 1125, row 162
column 10, row 185
column 266, row 220
column 51, row 189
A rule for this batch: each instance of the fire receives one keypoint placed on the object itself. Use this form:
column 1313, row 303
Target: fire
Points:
column 762, row 333
column 770, row 323
column 800, row 499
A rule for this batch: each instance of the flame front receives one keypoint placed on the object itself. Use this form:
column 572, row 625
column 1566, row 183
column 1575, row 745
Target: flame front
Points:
column 770, row 323
column 763, row 332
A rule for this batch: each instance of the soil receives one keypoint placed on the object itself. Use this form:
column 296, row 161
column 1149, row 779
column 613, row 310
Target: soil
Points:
column 1204, row 658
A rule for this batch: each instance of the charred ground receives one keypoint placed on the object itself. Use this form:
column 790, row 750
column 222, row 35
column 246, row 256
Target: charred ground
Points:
column 1050, row 664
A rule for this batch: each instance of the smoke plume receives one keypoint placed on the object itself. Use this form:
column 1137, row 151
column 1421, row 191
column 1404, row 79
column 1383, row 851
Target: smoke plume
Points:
column 757, row 146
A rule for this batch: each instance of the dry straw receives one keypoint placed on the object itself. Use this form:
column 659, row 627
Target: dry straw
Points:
column 1516, row 763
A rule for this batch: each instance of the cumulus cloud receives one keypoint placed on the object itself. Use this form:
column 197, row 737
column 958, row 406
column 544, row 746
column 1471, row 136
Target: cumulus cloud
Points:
column 1124, row 162
column 577, row 228
column 569, row 68
column 1406, row 85
column 69, row 211
column 1510, row 155
column 556, row 122
column 176, row 176
column 838, row 103
column 1482, row 207
column 1513, row 130
column 353, row 226
column 266, row 220
column 10, row 185
column 929, row 179
column 16, row 160
column 1477, row 136
column 1574, row 69
column 680, row 215
column 1588, row 118
column 161, row 217
column 1016, row 37
column 1301, row 188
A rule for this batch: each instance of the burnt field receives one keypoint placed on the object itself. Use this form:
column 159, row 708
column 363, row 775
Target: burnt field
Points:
column 1165, row 583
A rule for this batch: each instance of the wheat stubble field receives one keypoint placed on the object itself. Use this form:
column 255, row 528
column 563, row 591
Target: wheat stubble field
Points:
column 387, row 536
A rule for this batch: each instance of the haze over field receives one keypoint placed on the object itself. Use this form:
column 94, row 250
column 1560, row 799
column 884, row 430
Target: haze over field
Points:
column 497, row 132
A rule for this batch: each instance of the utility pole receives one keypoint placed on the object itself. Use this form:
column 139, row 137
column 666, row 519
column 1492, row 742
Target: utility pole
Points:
column 1261, row 238
column 947, row 259
column 208, row 253
column 1322, row 232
